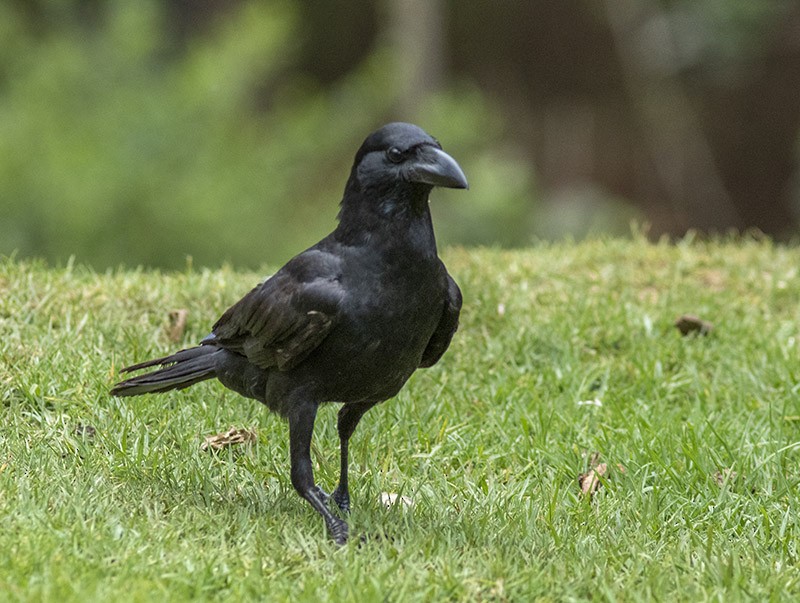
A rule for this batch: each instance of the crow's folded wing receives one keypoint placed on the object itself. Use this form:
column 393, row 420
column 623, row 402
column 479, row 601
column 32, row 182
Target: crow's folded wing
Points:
column 282, row 320
column 447, row 327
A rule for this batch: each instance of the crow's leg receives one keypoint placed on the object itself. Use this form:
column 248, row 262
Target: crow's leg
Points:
column 349, row 416
column 301, row 427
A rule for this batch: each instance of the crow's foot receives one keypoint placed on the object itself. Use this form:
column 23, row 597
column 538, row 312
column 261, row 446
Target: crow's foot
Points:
column 339, row 531
column 342, row 500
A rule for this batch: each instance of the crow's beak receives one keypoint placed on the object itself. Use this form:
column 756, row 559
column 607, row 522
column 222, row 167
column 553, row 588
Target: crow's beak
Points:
column 435, row 167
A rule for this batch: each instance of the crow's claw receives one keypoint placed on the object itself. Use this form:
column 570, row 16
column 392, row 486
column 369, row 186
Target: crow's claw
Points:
column 339, row 531
column 342, row 500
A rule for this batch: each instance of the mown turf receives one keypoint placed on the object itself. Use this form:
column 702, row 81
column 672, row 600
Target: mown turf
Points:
column 113, row 499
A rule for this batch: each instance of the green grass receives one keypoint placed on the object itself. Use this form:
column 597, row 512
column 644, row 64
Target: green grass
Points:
column 489, row 443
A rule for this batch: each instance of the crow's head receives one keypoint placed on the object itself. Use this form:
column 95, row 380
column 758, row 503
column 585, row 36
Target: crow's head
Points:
column 401, row 156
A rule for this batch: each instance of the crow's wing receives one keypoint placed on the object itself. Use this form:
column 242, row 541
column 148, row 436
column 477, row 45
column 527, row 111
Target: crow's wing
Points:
column 447, row 327
column 282, row 320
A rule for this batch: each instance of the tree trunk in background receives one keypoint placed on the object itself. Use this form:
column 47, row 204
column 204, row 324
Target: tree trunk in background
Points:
column 710, row 145
column 682, row 158
column 754, row 127
column 415, row 31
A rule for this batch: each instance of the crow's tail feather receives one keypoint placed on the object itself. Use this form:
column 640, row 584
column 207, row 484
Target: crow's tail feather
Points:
column 181, row 369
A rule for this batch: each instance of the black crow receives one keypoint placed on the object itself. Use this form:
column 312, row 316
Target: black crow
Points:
column 348, row 320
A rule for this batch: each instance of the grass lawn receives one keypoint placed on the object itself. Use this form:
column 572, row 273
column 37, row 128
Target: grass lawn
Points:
column 564, row 351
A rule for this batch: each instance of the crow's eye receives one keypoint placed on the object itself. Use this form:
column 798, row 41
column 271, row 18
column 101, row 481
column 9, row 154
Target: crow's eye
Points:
column 395, row 155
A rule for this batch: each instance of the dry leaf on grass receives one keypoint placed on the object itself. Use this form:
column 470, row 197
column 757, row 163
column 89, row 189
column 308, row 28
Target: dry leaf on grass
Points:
column 229, row 438
column 723, row 476
column 85, row 431
column 177, row 324
column 689, row 323
column 590, row 481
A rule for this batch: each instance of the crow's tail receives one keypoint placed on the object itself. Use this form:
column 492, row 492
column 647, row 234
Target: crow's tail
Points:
column 181, row 369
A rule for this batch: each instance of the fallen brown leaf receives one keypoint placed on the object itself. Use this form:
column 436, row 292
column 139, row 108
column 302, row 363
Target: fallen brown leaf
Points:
column 689, row 323
column 590, row 481
column 85, row 431
column 725, row 475
column 229, row 438
column 177, row 324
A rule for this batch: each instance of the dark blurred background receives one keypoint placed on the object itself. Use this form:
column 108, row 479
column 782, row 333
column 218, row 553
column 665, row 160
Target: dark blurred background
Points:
column 143, row 132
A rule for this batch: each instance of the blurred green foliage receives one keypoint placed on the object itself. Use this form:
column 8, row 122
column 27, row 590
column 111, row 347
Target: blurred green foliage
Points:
column 120, row 148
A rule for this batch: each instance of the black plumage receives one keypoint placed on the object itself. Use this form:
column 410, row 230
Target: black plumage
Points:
column 348, row 320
